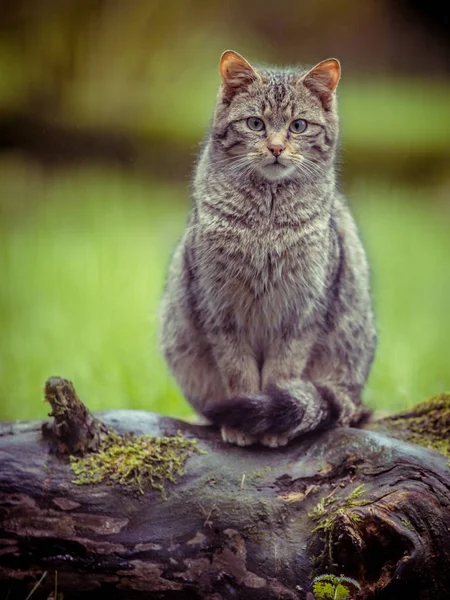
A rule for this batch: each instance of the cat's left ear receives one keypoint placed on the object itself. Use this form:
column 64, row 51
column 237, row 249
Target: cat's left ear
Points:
column 323, row 80
column 236, row 73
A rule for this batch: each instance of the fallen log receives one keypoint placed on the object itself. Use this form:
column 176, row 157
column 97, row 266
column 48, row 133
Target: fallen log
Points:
column 221, row 522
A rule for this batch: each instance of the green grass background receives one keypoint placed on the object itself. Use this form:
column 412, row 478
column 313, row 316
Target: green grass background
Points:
column 83, row 255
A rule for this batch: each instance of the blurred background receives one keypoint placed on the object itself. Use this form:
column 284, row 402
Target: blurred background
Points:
column 103, row 105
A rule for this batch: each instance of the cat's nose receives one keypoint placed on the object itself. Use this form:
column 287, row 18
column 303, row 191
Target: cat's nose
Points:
column 276, row 149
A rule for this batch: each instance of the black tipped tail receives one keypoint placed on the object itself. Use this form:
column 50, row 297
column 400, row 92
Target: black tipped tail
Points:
column 273, row 412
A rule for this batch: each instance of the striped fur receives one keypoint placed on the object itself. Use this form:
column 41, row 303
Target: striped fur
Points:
column 267, row 321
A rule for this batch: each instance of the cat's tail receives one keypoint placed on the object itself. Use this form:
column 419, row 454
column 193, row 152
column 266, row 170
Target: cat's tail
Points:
column 276, row 411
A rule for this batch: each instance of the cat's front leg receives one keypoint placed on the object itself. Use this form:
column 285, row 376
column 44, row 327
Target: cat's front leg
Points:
column 275, row 410
column 240, row 378
column 317, row 385
column 297, row 404
column 286, row 359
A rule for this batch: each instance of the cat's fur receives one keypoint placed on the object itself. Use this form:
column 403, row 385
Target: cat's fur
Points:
column 267, row 321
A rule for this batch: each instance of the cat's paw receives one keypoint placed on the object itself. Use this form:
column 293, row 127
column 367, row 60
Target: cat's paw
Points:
column 235, row 436
column 274, row 441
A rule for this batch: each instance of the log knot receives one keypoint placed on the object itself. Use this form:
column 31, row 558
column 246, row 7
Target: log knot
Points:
column 74, row 431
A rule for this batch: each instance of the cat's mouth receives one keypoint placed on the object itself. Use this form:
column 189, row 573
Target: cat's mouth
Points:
column 276, row 162
column 276, row 169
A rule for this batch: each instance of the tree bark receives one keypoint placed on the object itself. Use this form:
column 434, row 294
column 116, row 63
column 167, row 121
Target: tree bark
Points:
column 253, row 523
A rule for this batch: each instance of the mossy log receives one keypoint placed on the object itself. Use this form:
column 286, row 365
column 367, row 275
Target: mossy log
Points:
column 253, row 523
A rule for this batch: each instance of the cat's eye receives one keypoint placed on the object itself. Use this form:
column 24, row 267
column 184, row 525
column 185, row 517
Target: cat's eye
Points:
column 298, row 126
column 255, row 123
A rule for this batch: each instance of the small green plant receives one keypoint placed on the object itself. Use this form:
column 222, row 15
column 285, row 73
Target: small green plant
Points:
column 328, row 512
column 332, row 587
column 325, row 514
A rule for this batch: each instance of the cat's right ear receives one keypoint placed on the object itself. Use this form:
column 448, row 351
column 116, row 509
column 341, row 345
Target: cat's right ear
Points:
column 236, row 73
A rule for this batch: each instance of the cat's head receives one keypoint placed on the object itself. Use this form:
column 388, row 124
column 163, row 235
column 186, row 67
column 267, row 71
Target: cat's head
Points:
column 276, row 124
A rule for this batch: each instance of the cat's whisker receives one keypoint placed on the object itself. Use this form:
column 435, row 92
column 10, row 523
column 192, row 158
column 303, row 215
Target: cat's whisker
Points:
column 314, row 166
column 251, row 167
column 248, row 168
column 303, row 160
column 242, row 169
column 303, row 171
column 233, row 159
column 238, row 169
column 307, row 168
column 254, row 168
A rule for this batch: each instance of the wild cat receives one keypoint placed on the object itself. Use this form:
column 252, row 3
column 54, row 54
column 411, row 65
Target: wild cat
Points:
column 267, row 320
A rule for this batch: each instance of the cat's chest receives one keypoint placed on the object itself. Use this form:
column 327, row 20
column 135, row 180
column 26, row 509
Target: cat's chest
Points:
column 266, row 269
column 260, row 257
column 261, row 270
column 263, row 274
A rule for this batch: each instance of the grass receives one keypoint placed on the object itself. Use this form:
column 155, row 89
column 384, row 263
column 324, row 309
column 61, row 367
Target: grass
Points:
column 83, row 256
column 83, row 266
column 406, row 235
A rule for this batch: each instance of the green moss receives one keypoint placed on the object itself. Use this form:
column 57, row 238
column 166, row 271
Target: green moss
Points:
column 138, row 462
column 331, row 587
column 408, row 524
column 261, row 473
column 428, row 424
column 327, row 511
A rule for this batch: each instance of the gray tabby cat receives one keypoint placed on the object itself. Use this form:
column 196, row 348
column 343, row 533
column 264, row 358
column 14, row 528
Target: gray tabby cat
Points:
column 267, row 321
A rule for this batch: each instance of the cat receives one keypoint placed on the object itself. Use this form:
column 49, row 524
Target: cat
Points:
column 267, row 321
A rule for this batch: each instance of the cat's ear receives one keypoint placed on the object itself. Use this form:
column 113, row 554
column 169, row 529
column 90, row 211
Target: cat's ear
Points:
column 323, row 80
column 236, row 73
